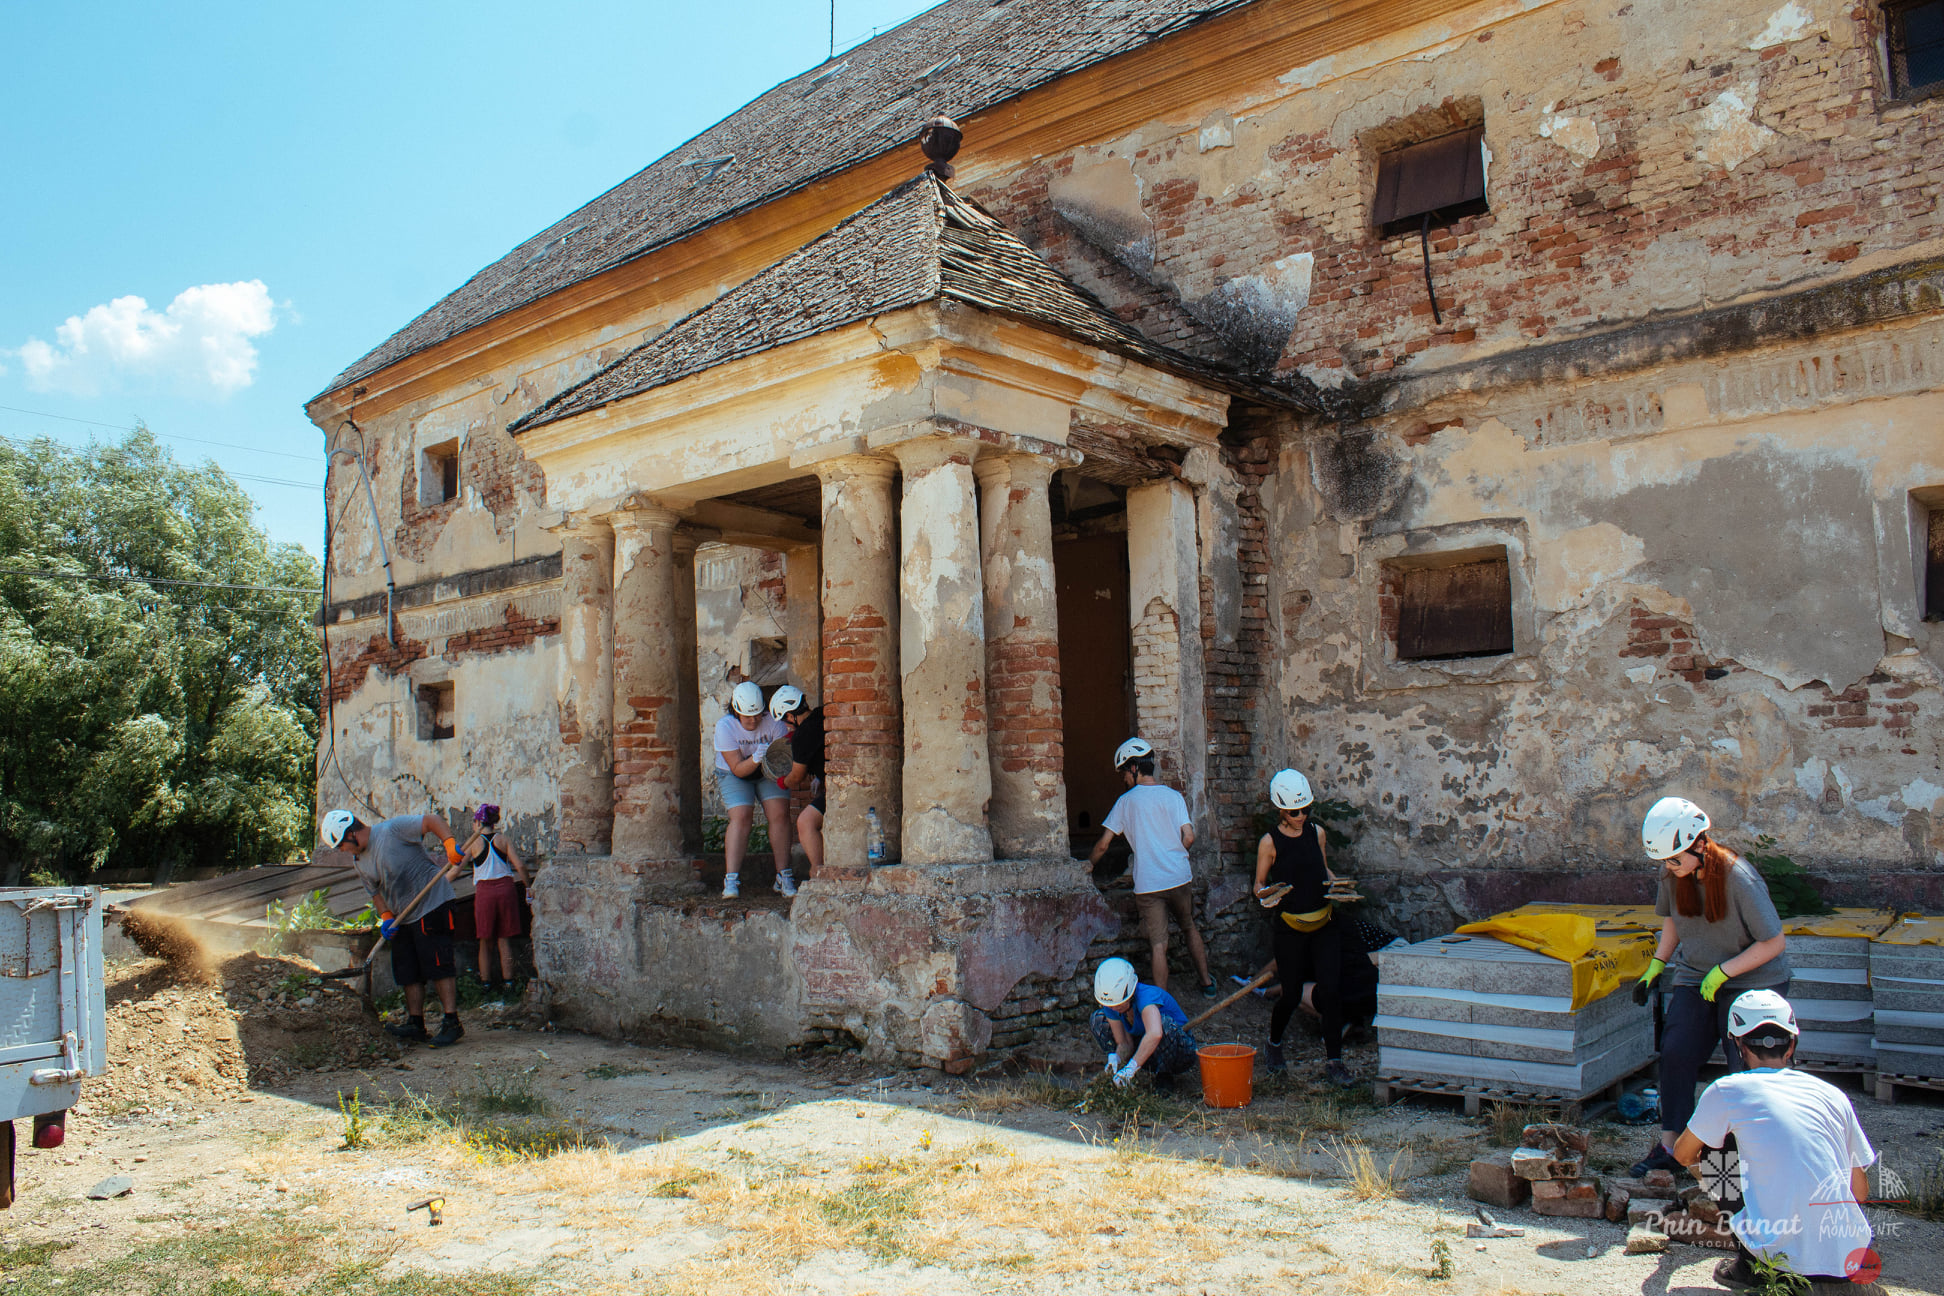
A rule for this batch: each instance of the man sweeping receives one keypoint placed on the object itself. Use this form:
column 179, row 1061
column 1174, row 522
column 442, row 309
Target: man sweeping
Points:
column 391, row 862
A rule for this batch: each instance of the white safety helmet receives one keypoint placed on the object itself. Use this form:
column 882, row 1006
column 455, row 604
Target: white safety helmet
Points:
column 335, row 825
column 785, row 701
column 1289, row 790
column 1758, row 1009
column 1132, row 749
column 1114, row 982
column 747, row 699
column 1671, row 827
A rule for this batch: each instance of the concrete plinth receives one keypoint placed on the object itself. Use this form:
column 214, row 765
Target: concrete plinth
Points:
column 941, row 654
column 912, row 960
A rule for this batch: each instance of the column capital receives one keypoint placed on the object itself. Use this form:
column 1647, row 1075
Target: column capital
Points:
column 640, row 512
column 589, row 525
column 1025, row 466
column 847, row 467
column 923, row 453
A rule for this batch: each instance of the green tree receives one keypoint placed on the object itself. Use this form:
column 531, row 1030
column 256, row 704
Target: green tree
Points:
column 148, row 726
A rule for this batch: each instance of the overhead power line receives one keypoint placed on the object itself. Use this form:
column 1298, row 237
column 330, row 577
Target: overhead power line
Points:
column 172, row 436
column 241, row 476
column 156, row 580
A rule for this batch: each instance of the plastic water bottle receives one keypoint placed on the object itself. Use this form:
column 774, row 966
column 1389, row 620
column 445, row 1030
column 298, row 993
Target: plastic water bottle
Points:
column 874, row 851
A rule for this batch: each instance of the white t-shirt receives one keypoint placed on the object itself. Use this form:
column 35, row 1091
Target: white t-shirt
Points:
column 748, row 744
column 1797, row 1139
column 1151, row 817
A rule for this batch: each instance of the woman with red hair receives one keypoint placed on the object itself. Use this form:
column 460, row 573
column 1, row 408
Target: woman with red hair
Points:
column 1720, row 931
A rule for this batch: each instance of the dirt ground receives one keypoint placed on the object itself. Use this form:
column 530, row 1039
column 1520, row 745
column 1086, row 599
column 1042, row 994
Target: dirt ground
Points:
column 276, row 1145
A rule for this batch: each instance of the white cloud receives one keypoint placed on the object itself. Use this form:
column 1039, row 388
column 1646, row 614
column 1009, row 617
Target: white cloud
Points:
column 200, row 344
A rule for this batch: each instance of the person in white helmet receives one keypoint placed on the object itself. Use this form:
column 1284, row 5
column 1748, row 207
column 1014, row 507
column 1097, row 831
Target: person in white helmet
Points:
column 1154, row 819
column 1139, row 1027
column 741, row 737
column 1801, row 1156
column 1720, row 931
column 806, row 726
column 1292, row 874
column 389, row 858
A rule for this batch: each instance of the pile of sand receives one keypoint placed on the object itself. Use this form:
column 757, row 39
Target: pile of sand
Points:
column 187, row 1033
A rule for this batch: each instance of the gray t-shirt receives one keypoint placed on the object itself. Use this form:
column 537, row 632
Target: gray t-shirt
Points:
column 1751, row 917
column 395, row 867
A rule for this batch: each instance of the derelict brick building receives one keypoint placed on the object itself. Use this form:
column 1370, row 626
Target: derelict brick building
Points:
column 1506, row 412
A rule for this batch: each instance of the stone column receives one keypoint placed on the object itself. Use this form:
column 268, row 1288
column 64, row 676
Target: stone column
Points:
column 941, row 635
column 647, row 687
column 585, row 687
column 1029, row 803
column 862, row 716
column 803, row 618
column 1164, row 588
column 688, row 693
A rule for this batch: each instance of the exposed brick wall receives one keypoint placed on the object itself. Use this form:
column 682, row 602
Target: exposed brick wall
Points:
column 491, row 465
column 1024, row 734
column 1567, row 245
column 516, row 631
column 1237, row 675
column 349, row 669
column 1879, row 701
column 1669, row 641
column 860, row 707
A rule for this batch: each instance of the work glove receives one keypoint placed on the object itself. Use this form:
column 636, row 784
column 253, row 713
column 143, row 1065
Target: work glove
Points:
column 1711, row 984
column 1113, row 1063
column 387, row 926
column 1644, row 987
column 452, row 851
column 1124, row 1076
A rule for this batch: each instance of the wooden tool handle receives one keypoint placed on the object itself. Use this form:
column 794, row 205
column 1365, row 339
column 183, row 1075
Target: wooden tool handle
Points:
column 1262, row 979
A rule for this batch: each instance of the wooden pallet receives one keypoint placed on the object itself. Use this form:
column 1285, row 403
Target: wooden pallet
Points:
column 1887, row 1085
column 1866, row 1075
column 1386, row 1089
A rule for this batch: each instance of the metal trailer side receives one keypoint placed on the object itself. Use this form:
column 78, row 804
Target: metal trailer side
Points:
column 53, row 1011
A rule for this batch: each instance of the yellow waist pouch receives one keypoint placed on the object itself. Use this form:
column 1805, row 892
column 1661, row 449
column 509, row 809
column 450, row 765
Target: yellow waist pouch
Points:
column 1309, row 922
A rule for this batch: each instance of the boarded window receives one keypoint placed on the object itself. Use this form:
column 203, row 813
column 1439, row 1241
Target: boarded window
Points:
column 1458, row 611
column 435, row 711
column 439, row 480
column 1915, row 36
column 1444, row 177
column 1934, row 568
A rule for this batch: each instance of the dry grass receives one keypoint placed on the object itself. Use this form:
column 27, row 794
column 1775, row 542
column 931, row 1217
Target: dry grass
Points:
column 1366, row 1179
column 1508, row 1120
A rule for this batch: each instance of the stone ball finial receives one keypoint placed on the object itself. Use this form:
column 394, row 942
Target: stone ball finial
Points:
column 940, row 138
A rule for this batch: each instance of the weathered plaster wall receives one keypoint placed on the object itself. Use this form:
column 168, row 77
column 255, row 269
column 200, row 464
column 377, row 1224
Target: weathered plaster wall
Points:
column 1717, row 599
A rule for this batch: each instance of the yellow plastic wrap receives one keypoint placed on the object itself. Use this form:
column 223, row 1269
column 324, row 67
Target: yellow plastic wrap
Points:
column 1914, row 929
column 1605, row 917
column 1603, row 960
column 1867, row 923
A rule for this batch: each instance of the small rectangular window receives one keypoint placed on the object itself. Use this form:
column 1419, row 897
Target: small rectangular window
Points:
column 1934, row 567
column 439, row 479
column 1915, row 36
column 435, row 711
column 1442, row 177
column 1462, row 610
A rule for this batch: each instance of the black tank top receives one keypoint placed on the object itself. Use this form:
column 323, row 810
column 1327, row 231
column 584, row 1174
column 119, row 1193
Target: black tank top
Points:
column 1299, row 862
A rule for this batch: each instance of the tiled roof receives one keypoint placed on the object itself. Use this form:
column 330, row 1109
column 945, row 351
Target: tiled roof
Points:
column 921, row 242
column 960, row 58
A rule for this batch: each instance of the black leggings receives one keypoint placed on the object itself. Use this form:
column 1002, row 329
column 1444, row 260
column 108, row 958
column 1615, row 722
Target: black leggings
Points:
column 1689, row 1031
column 1310, row 956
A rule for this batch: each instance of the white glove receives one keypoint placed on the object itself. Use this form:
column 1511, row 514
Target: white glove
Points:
column 1125, row 1075
column 1113, row 1063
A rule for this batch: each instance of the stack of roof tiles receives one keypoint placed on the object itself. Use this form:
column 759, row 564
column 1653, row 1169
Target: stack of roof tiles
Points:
column 1476, row 1010
column 1907, row 984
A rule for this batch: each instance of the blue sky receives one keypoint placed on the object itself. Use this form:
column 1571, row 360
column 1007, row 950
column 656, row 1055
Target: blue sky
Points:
column 283, row 186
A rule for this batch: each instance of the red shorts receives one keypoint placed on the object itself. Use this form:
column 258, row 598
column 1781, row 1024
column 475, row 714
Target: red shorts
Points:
column 496, row 908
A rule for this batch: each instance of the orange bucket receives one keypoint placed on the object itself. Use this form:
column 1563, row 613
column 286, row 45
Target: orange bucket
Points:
column 1228, row 1074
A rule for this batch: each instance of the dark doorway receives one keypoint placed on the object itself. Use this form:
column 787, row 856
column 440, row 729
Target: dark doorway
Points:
column 1096, row 673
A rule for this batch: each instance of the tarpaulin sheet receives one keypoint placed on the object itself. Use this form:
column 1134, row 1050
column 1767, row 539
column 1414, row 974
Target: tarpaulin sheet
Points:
column 1605, row 917
column 1602, row 960
column 1867, row 923
column 1914, row 929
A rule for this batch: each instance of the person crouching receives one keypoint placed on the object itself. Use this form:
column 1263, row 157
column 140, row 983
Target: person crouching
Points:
column 1139, row 1027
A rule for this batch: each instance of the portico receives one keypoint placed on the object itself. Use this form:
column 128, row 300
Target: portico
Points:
column 932, row 375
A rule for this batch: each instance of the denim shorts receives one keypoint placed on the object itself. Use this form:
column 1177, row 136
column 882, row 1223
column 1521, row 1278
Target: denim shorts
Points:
column 738, row 792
